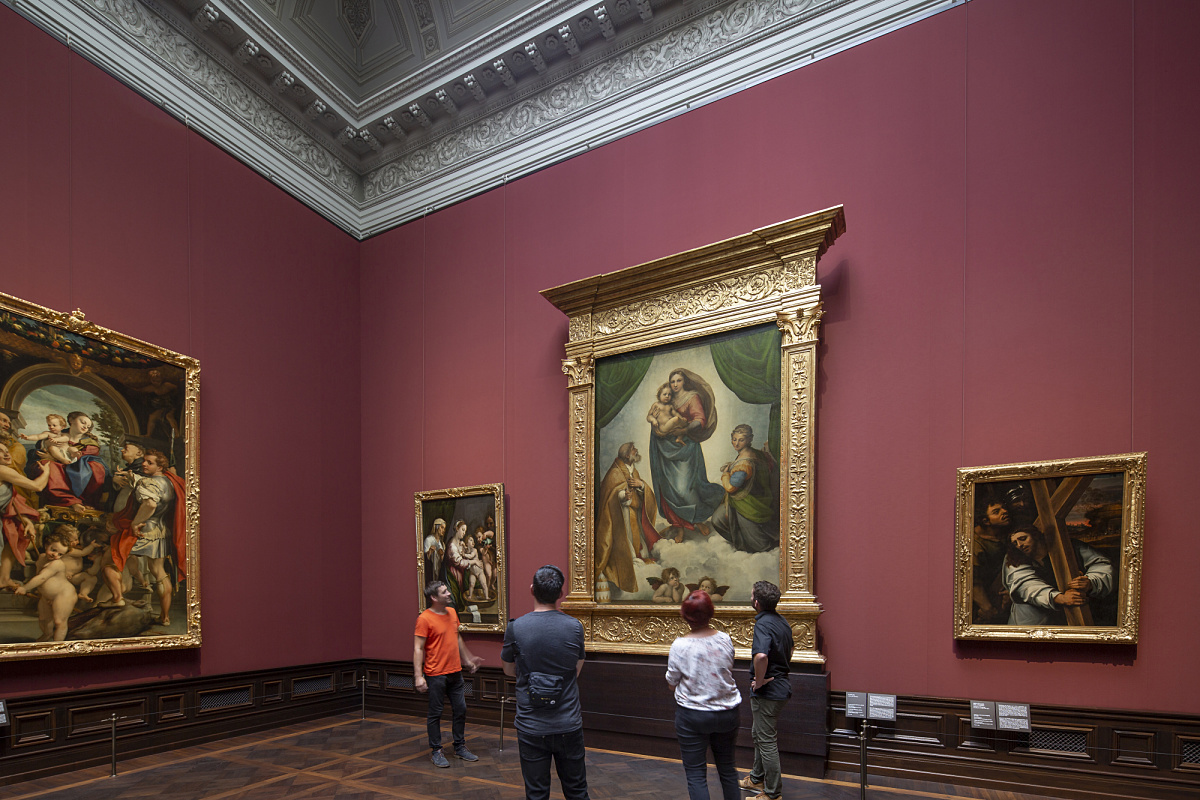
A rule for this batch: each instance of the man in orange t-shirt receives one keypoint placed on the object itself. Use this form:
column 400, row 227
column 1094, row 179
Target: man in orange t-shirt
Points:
column 438, row 658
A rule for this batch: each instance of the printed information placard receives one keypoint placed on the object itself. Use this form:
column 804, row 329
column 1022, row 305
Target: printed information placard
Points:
column 983, row 714
column 881, row 706
column 856, row 705
column 1012, row 716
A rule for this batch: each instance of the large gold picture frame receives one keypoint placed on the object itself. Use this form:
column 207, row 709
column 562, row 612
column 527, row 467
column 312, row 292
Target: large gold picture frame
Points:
column 117, row 486
column 1050, row 551
column 677, row 305
column 460, row 540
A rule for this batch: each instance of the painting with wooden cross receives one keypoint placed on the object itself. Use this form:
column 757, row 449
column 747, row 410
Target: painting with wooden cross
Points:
column 1050, row 550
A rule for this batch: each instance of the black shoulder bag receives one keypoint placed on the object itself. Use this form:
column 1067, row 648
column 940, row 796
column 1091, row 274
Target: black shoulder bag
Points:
column 545, row 689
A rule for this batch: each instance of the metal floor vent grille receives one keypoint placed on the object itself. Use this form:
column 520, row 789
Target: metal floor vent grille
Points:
column 399, row 681
column 210, row 701
column 312, row 685
column 1190, row 753
column 1058, row 741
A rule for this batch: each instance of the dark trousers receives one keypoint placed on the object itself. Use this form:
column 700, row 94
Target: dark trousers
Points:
column 568, row 753
column 697, row 731
column 439, row 687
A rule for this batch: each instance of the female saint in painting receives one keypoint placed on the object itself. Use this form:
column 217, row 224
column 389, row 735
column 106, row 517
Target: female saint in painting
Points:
column 686, row 498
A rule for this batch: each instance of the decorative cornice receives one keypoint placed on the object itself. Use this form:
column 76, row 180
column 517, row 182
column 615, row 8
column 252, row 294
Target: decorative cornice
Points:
column 467, row 123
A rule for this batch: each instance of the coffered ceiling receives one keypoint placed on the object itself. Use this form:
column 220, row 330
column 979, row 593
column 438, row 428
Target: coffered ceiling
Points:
column 374, row 112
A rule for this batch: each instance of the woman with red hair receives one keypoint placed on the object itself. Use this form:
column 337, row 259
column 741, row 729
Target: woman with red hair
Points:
column 700, row 670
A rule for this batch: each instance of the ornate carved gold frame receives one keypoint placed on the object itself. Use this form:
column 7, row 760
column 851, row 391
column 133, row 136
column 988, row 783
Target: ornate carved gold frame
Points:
column 496, row 491
column 765, row 276
column 76, row 323
column 1129, row 578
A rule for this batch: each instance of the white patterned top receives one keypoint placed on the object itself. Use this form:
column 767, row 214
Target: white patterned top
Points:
column 701, row 670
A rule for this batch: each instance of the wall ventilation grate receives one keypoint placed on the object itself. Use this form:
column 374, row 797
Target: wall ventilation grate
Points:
column 312, row 685
column 1058, row 741
column 210, row 701
column 399, row 681
column 1190, row 752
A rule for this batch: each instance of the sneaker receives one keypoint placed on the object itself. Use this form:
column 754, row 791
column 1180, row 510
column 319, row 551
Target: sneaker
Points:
column 749, row 784
column 465, row 754
column 439, row 759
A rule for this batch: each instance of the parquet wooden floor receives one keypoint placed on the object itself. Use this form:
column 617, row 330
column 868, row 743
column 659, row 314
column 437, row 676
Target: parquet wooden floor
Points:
column 385, row 757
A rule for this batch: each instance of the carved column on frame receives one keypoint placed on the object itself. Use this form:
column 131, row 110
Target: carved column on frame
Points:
column 798, row 364
column 580, row 370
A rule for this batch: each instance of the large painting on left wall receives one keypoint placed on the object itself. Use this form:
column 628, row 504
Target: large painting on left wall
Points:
column 99, row 495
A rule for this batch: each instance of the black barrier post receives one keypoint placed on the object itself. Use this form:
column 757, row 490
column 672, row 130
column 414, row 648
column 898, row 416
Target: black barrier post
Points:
column 363, row 681
column 862, row 760
column 113, row 720
column 503, row 702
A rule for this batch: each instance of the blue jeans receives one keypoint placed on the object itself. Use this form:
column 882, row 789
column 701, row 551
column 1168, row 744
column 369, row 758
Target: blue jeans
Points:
column 568, row 753
column 699, row 730
column 766, row 747
column 439, row 687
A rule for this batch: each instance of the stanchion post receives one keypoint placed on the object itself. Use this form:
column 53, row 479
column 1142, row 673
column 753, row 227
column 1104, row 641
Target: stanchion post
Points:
column 503, row 702
column 363, row 681
column 862, row 760
column 113, row 719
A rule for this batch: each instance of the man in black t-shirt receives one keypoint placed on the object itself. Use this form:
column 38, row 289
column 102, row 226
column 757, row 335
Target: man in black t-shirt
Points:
column 772, row 651
column 547, row 644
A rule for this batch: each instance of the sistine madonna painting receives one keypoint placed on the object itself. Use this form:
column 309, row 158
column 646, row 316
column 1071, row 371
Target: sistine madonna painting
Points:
column 688, row 446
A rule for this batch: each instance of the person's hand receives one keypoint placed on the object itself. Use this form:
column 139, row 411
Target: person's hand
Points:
column 137, row 530
column 45, row 465
column 420, row 685
column 1082, row 583
column 755, row 685
column 636, row 483
column 474, row 664
column 1071, row 597
column 20, row 589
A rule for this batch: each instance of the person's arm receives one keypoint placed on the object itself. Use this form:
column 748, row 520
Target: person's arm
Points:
column 473, row 662
column 419, row 664
column 37, row 580
column 760, row 672
column 10, row 475
column 510, row 669
column 579, row 667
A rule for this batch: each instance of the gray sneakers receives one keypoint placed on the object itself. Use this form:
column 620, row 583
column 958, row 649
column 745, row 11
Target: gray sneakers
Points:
column 439, row 759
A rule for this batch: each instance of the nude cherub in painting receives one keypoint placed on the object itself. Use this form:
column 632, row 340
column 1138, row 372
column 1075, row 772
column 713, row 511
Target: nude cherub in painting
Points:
column 709, row 585
column 669, row 589
column 57, row 593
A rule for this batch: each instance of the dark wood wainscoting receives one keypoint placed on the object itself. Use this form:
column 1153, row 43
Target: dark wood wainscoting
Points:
column 1070, row 752
column 49, row 733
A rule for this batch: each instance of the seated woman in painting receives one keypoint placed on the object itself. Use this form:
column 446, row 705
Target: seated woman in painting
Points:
column 80, row 481
column 686, row 498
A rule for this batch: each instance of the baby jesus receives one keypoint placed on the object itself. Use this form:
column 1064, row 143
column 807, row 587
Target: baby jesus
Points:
column 664, row 418
column 56, row 444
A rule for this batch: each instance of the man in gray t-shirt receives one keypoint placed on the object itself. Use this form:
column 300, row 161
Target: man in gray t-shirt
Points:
column 549, row 645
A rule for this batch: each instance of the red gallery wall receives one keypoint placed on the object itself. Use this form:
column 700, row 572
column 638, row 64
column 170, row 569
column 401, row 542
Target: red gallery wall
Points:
column 110, row 205
column 1016, row 283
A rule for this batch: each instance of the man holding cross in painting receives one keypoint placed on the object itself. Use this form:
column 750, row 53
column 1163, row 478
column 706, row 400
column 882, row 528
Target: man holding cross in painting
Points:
column 1051, row 577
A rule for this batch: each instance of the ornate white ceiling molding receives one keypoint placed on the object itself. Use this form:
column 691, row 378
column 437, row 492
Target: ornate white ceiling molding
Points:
column 454, row 138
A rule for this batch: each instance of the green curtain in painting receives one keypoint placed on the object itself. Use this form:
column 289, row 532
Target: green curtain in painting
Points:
column 749, row 367
column 616, row 380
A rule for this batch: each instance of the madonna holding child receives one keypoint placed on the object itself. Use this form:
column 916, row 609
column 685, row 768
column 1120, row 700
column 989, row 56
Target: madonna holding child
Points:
column 700, row 669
